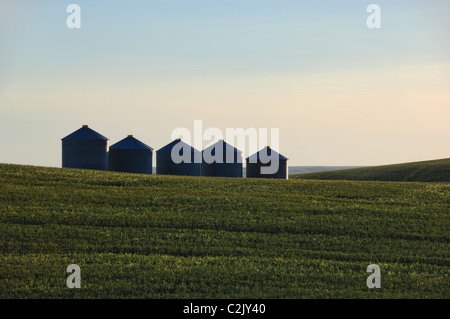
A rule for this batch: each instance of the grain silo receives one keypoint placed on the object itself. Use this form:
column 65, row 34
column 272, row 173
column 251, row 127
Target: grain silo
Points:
column 263, row 160
column 85, row 148
column 222, row 160
column 130, row 155
column 186, row 160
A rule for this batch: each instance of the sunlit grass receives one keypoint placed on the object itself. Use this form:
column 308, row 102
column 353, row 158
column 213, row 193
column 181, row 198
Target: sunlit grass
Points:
column 138, row 236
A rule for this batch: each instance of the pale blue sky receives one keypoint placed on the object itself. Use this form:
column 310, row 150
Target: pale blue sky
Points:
column 340, row 93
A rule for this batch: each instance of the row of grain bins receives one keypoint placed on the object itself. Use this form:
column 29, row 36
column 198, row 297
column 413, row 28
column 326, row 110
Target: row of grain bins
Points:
column 87, row 149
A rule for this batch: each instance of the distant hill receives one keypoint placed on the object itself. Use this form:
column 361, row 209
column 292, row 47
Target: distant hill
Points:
column 427, row 171
column 313, row 169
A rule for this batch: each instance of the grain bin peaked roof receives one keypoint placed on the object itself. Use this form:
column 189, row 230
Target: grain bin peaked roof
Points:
column 130, row 143
column 85, row 149
column 225, row 160
column 221, row 146
column 269, row 153
column 166, row 165
column 168, row 147
column 85, row 133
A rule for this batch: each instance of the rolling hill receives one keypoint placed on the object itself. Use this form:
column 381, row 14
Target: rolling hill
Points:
column 427, row 171
column 137, row 236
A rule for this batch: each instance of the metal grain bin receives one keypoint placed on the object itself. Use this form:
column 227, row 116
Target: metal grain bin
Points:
column 130, row 155
column 165, row 165
column 85, row 148
column 222, row 160
column 260, row 159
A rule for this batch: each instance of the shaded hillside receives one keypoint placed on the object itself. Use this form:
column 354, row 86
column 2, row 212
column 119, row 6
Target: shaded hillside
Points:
column 427, row 171
column 138, row 236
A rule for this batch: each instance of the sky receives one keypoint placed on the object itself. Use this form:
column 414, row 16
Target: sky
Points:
column 339, row 92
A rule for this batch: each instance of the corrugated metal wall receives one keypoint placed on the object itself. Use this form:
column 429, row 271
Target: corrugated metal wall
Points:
column 85, row 149
column 130, row 155
column 254, row 164
column 131, row 161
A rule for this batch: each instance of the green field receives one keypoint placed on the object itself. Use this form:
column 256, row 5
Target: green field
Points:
column 427, row 171
column 140, row 236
